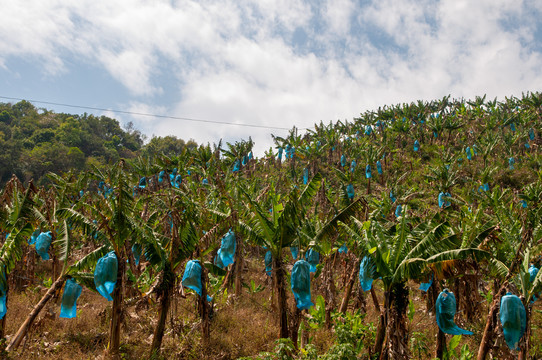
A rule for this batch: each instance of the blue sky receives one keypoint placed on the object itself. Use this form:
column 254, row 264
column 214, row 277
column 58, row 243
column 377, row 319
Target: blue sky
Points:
column 274, row 63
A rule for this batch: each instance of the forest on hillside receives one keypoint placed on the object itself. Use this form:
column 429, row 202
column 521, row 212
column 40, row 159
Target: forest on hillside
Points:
column 412, row 231
column 37, row 141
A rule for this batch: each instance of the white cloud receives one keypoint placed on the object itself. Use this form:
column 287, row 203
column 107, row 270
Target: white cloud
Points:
column 338, row 15
column 234, row 61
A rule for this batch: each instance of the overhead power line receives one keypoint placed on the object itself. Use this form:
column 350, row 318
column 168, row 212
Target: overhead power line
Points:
column 149, row 115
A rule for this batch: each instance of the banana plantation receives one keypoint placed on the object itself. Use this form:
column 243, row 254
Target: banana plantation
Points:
column 412, row 231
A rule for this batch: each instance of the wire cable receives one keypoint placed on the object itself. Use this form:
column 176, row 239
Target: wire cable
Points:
column 147, row 114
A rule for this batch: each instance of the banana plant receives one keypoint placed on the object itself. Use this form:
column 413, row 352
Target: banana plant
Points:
column 16, row 217
column 171, row 240
column 401, row 251
column 277, row 230
column 118, row 218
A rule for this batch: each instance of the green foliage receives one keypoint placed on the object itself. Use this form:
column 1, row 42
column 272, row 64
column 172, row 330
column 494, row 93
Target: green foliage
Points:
column 353, row 333
column 419, row 344
column 253, row 288
column 318, row 313
column 284, row 350
column 37, row 143
column 453, row 352
column 266, row 204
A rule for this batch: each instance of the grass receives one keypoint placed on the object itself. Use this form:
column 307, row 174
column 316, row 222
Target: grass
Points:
column 242, row 326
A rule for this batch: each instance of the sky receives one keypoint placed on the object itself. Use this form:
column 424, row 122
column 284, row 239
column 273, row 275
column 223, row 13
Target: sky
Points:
column 270, row 63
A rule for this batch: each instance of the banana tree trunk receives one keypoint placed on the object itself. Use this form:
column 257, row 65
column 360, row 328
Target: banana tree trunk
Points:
column 294, row 328
column 168, row 282
column 348, row 289
column 239, row 268
column 525, row 340
column 441, row 345
column 117, row 312
column 281, row 296
column 204, row 310
column 490, row 325
column 396, row 330
column 382, row 323
column 23, row 330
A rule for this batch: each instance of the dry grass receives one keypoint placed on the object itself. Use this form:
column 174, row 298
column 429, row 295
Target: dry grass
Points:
column 241, row 326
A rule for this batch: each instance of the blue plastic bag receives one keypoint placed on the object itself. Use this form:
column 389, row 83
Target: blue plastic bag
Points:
column 268, row 262
column 205, row 182
column 245, row 160
column 512, row 126
column 392, row 197
column 343, row 160
column 72, row 291
column 236, row 166
column 442, row 201
column 161, row 176
column 105, row 275
column 301, row 284
column 533, row 271
column 3, row 292
column 226, row 252
column 425, row 286
column 343, row 249
column 313, row 258
column 218, row 260
column 34, row 237
column 416, row 145
column 136, row 251
column 511, row 162
column 469, row 153
column 350, row 191
column 513, row 319
column 368, row 130
column 172, row 175
column 177, row 181
column 445, row 313
column 368, row 172
column 142, row 182
column 366, row 271
column 531, row 134
column 280, row 154
column 398, row 210
column 43, row 242
column 305, row 176
column 192, row 276
column 379, row 167
column 353, row 166
column 295, row 251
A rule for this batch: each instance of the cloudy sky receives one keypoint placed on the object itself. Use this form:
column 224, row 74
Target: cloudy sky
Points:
column 274, row 63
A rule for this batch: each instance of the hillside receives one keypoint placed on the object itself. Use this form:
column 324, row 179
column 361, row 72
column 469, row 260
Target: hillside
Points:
column 440, row 195
column 36, row 141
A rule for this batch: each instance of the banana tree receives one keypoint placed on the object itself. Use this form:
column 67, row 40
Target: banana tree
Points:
column 118, row 218
column 277, row 231
column 16, row 215
column 401, row 250
column 166, row 253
